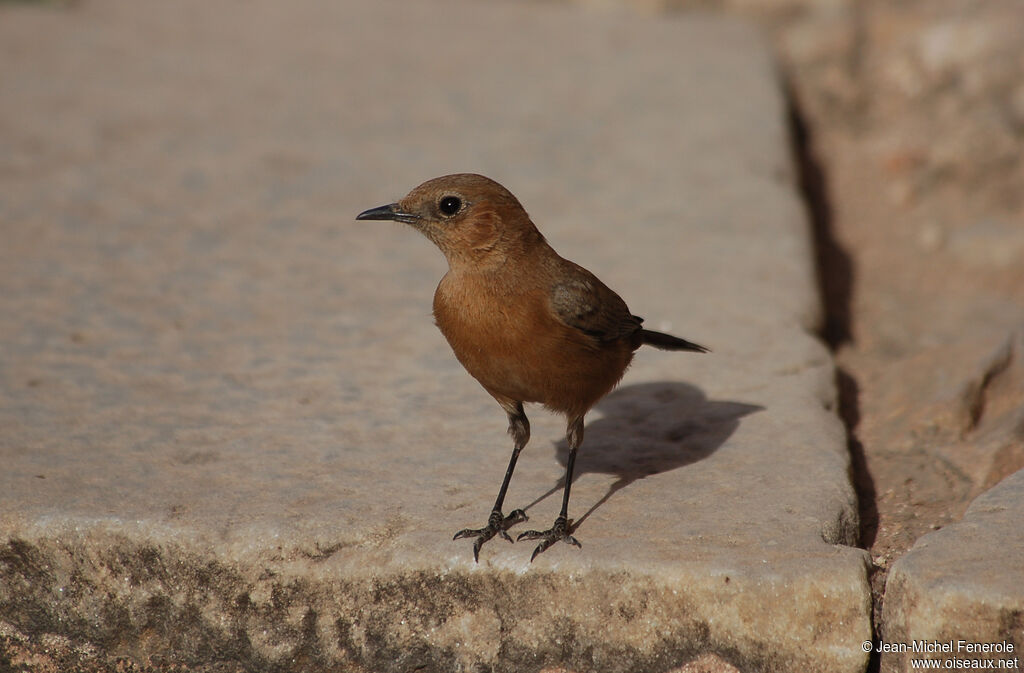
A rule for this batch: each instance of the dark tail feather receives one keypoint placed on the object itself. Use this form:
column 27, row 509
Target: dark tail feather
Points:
column 667, row 342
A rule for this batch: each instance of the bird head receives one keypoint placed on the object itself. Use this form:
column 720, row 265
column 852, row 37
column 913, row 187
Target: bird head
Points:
column 471, row 218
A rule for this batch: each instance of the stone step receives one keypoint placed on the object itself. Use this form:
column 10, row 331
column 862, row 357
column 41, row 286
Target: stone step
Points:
column 232, row 435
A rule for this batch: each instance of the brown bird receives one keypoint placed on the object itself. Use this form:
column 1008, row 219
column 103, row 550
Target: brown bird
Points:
column 529, row 325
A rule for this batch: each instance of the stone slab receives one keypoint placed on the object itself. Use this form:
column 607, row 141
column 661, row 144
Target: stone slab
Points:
column 962, row 587
column 231, row 434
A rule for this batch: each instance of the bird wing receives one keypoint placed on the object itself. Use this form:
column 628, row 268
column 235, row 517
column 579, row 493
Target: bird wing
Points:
column 582, row 301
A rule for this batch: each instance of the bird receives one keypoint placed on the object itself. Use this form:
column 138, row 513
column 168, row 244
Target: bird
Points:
column 529, row 325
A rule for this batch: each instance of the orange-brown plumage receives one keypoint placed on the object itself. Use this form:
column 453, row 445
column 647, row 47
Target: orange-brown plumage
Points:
column 527, row 324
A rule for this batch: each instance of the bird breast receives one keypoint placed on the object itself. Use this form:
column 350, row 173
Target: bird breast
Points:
column 508, row 339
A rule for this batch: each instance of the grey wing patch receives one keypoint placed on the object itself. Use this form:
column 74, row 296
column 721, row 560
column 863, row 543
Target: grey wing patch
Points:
column 591, row 307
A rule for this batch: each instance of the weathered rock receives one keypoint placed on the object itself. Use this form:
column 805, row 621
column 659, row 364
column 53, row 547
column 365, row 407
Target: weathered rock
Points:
column 232, row 436
column 962, row 587
column 965, row 582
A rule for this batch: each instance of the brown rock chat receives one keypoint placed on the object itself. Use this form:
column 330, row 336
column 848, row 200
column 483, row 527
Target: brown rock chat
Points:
column 529, row 325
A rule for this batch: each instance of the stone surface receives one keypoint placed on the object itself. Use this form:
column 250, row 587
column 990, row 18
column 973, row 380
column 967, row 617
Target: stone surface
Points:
column 963, row 583
column 912, row 111
column 911, row 107
column 954, row 421
column 232, row 436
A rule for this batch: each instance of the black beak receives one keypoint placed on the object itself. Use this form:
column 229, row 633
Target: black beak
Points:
column 388, row 212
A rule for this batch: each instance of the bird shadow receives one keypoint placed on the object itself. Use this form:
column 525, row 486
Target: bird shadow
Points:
column 647, row 429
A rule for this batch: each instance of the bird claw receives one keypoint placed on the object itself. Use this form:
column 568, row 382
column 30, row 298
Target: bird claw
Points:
column 559, row 531
column 497, row 524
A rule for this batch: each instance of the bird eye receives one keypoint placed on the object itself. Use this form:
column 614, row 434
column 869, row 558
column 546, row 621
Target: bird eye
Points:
column 449, row 205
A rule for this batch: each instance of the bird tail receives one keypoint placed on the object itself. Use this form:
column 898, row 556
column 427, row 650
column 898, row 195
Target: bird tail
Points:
column 667, row 342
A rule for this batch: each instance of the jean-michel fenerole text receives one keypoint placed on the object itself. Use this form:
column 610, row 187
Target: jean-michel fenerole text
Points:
column 947, row 647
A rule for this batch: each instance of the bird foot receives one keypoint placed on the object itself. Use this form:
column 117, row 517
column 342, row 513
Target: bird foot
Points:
column 497, row 524
column 559, row 531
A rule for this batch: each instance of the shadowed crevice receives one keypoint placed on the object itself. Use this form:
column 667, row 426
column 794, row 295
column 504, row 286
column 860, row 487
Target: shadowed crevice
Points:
column 835, row 273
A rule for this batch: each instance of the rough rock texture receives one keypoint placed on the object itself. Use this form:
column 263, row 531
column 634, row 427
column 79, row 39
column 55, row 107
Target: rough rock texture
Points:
column 964, row 582
column 232, row 436
column 917, row 124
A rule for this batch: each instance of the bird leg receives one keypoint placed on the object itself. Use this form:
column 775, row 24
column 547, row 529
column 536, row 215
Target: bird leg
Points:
column 561, row 529
column 498, row 523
